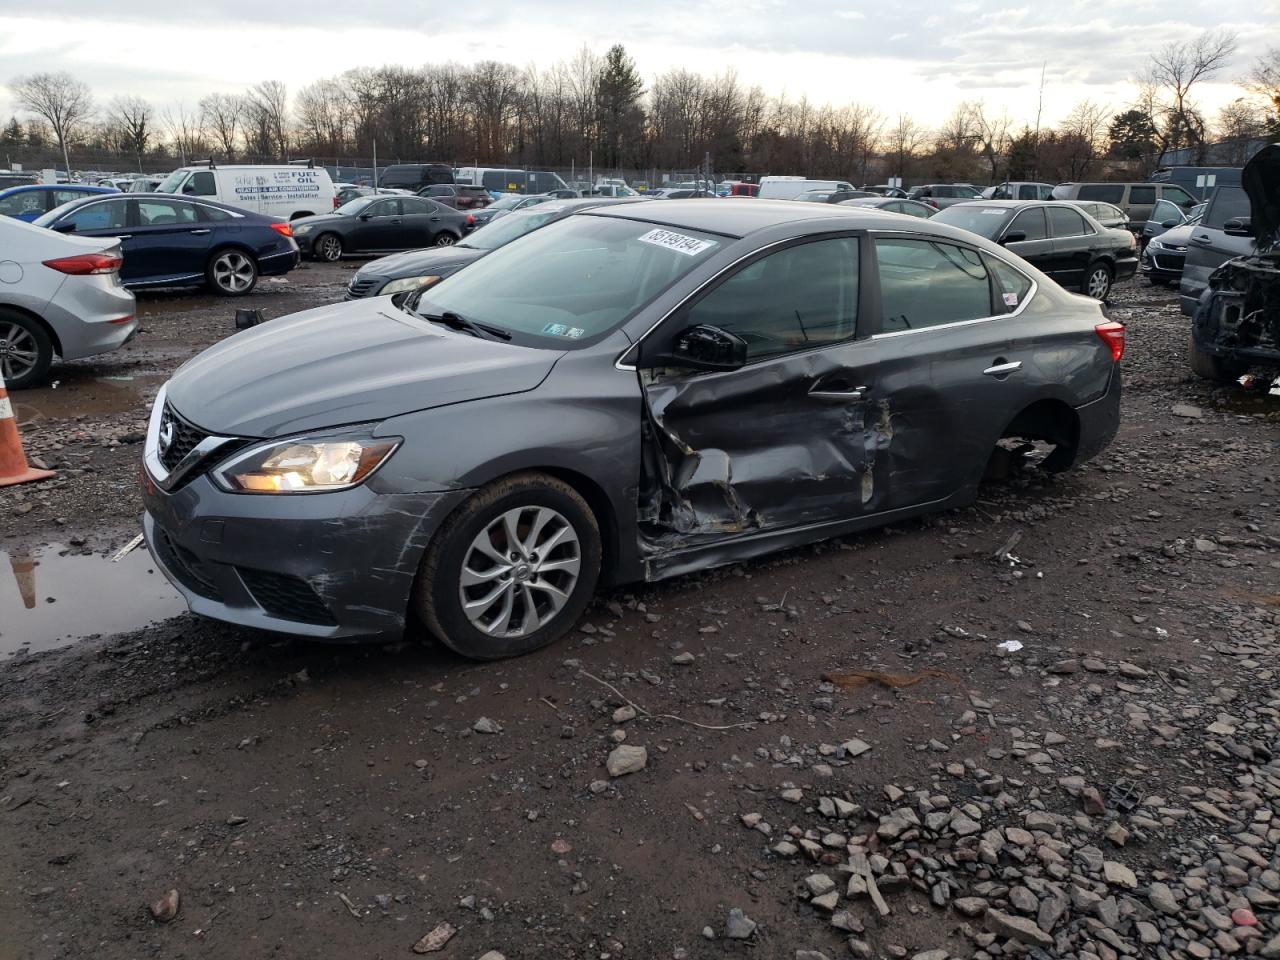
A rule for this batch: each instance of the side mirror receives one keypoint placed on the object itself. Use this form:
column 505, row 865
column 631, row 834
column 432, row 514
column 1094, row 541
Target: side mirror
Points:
column 365, row 216
column 703, row 347
column 1017, row 236
column 65, row 228
column 1238, row 227
column 1169, row 224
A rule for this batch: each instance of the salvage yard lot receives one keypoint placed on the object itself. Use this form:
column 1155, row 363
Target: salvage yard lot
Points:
column 347, row 801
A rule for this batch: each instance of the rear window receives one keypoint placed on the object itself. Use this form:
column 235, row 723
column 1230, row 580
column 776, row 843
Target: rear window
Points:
column 1228, row 203
column 1107, row 192
column 1142, row 195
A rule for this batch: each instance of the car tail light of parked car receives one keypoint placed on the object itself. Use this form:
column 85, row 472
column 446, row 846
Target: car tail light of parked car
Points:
column 85, row 264
column 284, row 229
column 1112, row 334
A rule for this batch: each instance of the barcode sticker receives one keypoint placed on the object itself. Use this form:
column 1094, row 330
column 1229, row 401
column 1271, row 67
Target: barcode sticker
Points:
column 689, row 246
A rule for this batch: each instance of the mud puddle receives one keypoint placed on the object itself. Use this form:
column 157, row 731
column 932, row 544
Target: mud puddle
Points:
column 86, row 392
column 49, row 600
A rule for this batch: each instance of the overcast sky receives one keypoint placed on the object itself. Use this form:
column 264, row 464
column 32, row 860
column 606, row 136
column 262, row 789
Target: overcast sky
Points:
column 905, row 55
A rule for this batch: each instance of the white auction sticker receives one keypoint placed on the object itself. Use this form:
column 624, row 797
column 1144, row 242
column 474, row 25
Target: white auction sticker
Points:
column 993, row 213
column 689, row 246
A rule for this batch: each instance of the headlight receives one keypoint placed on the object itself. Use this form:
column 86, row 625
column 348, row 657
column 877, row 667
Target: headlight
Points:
column 1155, row 243
column 302, row 231
column 305, row 464
column 408, row 283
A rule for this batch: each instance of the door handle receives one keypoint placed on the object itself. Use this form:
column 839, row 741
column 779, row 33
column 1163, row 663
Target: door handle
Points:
column 1002, row 369
column 1200, row 238
column 853, row 393
column 199, row 232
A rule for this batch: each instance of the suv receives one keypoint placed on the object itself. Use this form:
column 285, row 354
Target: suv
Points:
column 414, row 176
column 1221, row 234
column 1237, row 316
column 1136, row 199
column 460, row 196
column 942, row 195
column 1019, row 190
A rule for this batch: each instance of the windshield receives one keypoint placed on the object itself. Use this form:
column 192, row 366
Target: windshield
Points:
column 571, row 281
column 502, row 231
column 55, row 214
column 353, row 207
column 170, row 183
column 976, row 218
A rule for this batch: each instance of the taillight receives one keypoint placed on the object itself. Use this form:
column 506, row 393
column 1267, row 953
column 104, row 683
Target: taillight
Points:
column 471, row 220
column 335, row 203
column 284, row 229
column 1112, row 334
column 84, row 264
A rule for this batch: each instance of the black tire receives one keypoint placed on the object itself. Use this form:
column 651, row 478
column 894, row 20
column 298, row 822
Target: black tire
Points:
column 444, row 239
column 232, row 272
column 1097, row 280
column 26, row 350
column 327, row 248
column 1218, row 369
column 437, row 595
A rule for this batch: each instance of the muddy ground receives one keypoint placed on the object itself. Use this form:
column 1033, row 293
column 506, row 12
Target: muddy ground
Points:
column 316, row 801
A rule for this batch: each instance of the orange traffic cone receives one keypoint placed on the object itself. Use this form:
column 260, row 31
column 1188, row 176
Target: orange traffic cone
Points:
column 24, row 571
column 13, row 462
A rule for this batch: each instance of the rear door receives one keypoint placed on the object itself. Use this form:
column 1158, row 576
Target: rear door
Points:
column 1209, row 246
column 422, row 219
column 788, row 439
column 169, row 240
column 1074, row 245
column 1142, row 200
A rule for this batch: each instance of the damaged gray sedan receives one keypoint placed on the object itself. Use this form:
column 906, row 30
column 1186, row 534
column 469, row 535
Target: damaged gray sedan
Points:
column 632, row 393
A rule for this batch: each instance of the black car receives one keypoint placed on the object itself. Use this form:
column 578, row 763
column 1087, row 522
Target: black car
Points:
column 414, row 176
column 380, row 225
column 172, row 241
column 417, row 269
column 460, row 196
column 1057, row 237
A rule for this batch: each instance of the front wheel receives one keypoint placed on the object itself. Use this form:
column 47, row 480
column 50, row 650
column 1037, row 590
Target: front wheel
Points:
column 232, row 273
column 327, row 247
column 1097, row 281
column 445, row 240
column 25, row 350
column 511, row 570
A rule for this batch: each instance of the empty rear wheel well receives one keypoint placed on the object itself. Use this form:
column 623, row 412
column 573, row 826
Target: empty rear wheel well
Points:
column 44, row 324
column 1052, row 421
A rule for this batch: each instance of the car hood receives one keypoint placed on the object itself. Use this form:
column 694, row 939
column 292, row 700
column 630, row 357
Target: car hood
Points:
column 438, row 261
column 319, row 218
column 355, row 362
column 1178, row 236
column 1261, row 181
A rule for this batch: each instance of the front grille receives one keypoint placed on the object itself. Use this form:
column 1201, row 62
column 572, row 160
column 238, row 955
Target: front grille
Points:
column 186, row 437
column 1165, row 261
column 286, row 597
column 186, row 566
column 362, row 286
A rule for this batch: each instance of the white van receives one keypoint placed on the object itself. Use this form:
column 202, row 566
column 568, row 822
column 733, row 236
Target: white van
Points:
column 788, row 188
column 288, row 191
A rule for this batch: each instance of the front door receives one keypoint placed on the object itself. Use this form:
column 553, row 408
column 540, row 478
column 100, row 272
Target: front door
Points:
column 785, row 440
column 1034, row 246
column 169, row 241
column 1211, row 246
column 379, row 226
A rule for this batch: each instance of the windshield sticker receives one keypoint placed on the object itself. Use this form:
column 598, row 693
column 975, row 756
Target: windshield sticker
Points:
column 1010, row 299
column 574, row 333
column 555, row 329
column 689, row 246
column 989, row 213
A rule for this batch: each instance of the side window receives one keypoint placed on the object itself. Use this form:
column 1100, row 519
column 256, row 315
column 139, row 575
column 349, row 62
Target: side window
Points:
column 1106, row 192
column 107, row 215
column 800, row 297
column 1030, row 222
column 916, row 210
column 1066, row 223
column 1011, row 286
column 1164, row 210
column 1027, row 191
column 65, row 196
column 1228, row 203
column 1142, row 195
column 1044, row 192
column 25, row 202
column 201, row 184
column 414, row 205
column 213, row 214
column 440, row 190
column 1177, row 195
column 164, row 213
column 924, row 283
column 944, row 192
column 382, row 208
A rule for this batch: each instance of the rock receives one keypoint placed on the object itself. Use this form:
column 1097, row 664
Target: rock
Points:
column 810, row 955
column 855, row 747
column 827, row 901
column 485, row 725
column 1022, row 929
column 626, row 759
column 1064, row 666
column 1051, row 910
column 435, row 940
column 963, row 826
column 1161, row 898
column 1117, row 834
column 1023, row 900
column 492, row 955
column 683, row 659
column 1243, row 918
column 818, row 883
column 561, row 846
column 1148, row 933
column 739, row 926
column 1187, row 411
column 1091, row 802
column 165, row 910
column 1118, row 875
column 970, row 906
column 624, row 713
column 931, row 955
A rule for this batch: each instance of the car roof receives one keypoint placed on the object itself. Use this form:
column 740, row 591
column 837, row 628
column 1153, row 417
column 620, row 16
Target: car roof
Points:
column 151, row 197
column 1015, row 204
column 82, row 187
column 740, row 216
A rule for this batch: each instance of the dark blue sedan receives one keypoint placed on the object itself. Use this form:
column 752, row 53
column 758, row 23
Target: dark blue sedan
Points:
column 36, row 199
column 174, row 241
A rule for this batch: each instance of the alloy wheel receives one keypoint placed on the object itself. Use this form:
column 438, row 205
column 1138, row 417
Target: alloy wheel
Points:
column 1099, row 283
column 329, row 248
column 520, row 571
column 444, row 240
column 19, row 352
column 233, row 272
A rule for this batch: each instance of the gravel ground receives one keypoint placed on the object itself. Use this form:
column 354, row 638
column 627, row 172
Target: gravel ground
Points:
column 906, row 743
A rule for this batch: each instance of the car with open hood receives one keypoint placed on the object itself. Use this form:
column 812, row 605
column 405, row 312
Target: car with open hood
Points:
column 630, row 393
column 1236, row 323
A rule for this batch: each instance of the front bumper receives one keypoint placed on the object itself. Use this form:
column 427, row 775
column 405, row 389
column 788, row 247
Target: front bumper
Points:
column 334, row 566
column 1161, row 264
column 365, row 285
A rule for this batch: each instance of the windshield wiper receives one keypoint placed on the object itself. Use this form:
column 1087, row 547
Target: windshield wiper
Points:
column 455, row 322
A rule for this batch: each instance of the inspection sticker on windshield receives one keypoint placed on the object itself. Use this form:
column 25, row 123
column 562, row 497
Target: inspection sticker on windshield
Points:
column 689, row 246
column 1010, row 299
column 993, row 213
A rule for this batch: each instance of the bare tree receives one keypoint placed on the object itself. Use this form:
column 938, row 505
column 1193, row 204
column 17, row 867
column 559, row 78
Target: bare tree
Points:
column 904, row 140
column 1264, row 80
column 1166, row 84
column 1082, row 138
column 64, row 102
column 185, row 130
column 222, row 113
column 267, row 106
column 990, row 133
column 134, row 119
column 1238, row 123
